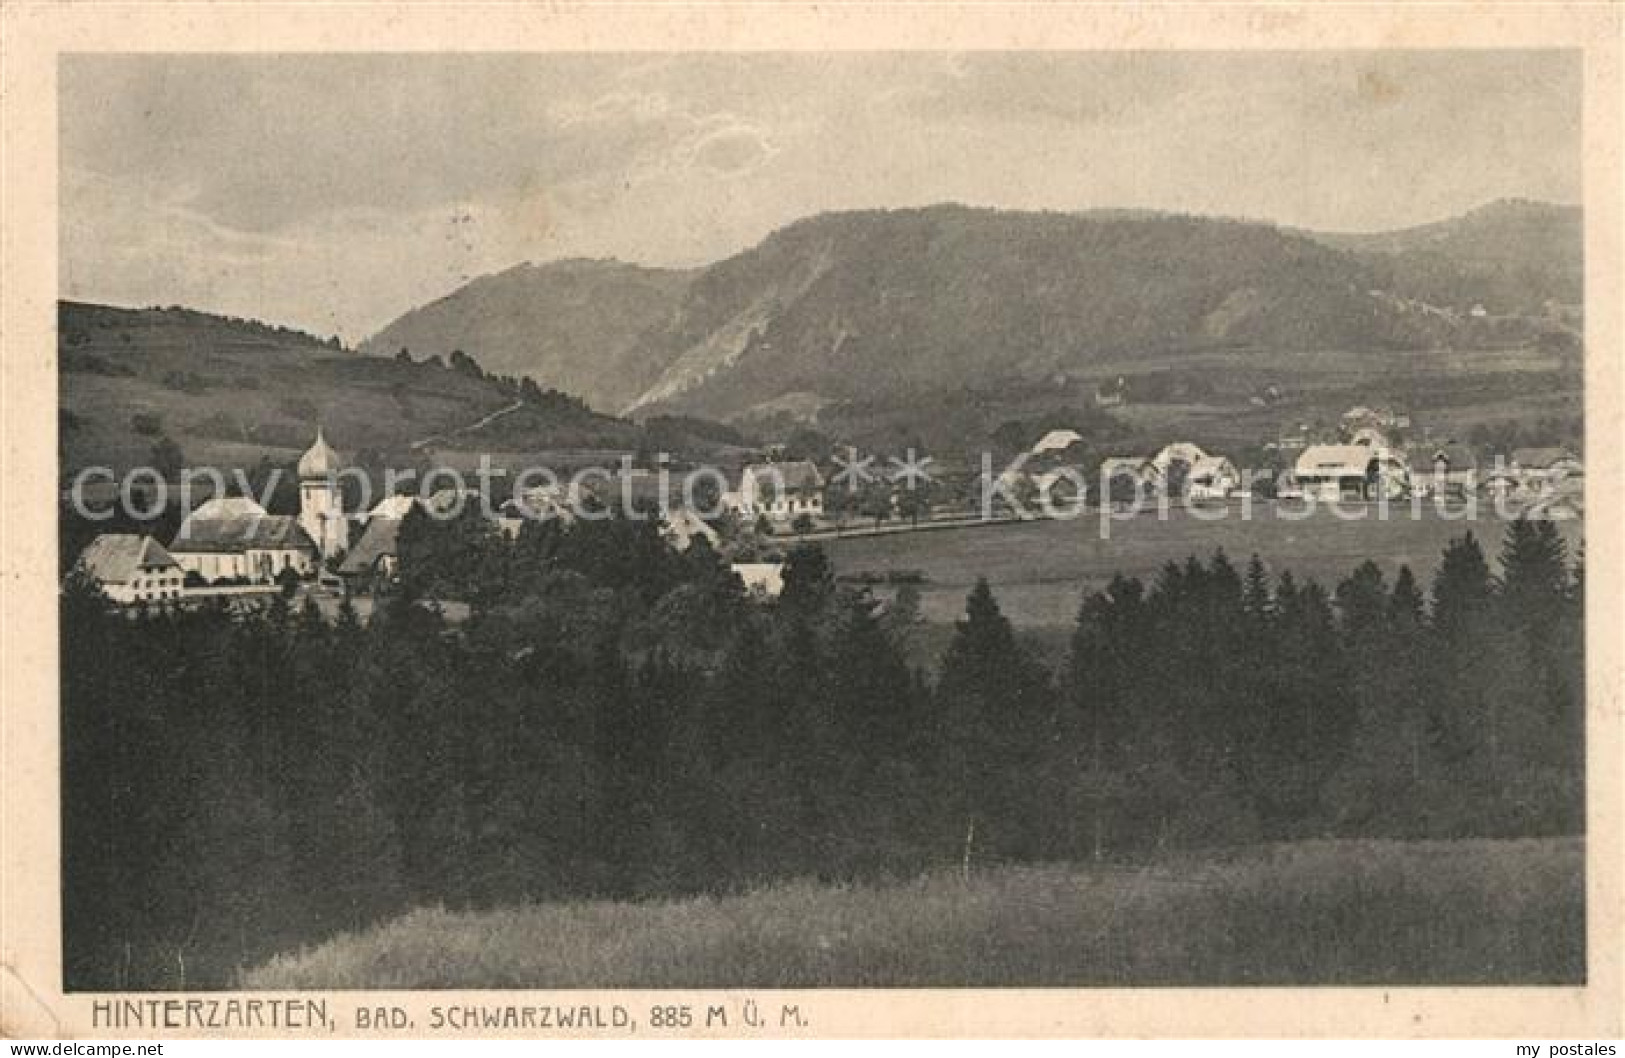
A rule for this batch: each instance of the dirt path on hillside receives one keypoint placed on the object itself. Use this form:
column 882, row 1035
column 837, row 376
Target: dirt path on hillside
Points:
column 470, row 428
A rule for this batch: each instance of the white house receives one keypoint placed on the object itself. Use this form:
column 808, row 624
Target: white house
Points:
column 763, row 580
column 1330, row 472
column 780, row 491
column 1179, row 451
column 1212, row 478
column 131, row 569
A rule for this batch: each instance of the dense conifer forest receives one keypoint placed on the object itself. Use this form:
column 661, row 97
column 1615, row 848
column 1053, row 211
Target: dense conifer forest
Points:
column 617, row 719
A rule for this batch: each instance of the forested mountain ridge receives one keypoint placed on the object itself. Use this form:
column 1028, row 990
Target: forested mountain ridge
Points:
column 577, row 325
column 873, row 304
column 170, row 386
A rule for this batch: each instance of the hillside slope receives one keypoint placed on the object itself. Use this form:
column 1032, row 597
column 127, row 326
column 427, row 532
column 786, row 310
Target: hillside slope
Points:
column 228, row 392
column 882, row 306
column 1511, row 256
column 573, row 325
column 854, row 304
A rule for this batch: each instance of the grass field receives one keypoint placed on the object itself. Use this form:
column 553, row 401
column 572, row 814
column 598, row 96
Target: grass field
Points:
column 1368, row 912
column 1040, row 570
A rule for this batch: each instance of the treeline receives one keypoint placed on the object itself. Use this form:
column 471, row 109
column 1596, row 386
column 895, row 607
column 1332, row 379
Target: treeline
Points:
column 617, row 719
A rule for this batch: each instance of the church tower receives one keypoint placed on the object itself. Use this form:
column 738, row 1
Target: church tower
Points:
column 321, row 509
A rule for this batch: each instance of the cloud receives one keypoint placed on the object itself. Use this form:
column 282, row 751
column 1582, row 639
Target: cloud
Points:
column 730, row 151
column 335, row 192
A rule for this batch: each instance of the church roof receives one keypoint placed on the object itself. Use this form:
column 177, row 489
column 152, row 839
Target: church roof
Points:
column 116, row 558
column 320, row 461
column 237, row 534
column 228, row 507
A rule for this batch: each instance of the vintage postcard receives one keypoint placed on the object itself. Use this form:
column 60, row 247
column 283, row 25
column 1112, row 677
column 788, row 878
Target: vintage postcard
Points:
column 760, row 521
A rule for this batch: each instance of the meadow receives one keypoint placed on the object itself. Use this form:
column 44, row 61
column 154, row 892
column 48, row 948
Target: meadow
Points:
column 1040, row 570
column 1343, row 912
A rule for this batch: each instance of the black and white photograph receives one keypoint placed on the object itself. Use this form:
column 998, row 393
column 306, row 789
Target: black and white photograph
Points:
column 819, row 520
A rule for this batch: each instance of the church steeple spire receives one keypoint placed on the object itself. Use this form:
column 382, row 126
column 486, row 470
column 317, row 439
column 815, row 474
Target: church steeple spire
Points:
column 320, row 460
column 321, row 510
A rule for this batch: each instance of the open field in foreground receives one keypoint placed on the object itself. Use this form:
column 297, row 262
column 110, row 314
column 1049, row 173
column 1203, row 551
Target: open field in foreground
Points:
column 1040, row 570
column 1358, row 912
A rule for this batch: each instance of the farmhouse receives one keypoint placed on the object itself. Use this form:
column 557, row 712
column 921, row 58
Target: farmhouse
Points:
column 232, row 538
column 1212, row 478
column 131, row 569
column 1178, row 452
column 1534, row 467
column 1330, row 472
column 377, row 553
column 1450, row 469
column 779, row 491
column 1381, row 418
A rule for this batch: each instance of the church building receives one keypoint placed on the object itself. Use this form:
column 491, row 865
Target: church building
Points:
column 232, row 539
column 321, row 507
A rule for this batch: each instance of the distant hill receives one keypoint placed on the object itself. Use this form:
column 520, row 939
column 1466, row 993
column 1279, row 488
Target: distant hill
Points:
column 574, row 325
column 228, row 392
column 1510, row 256
column 886, row 304
column 855, row 305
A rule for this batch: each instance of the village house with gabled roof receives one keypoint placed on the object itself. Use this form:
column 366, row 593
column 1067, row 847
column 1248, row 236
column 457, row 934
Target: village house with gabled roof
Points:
column 1448, row 469
column 377, row 553
column 779, row 491
column 1540, row 465
column 1336, row 472
column 1178, row 452
column 129, row 568
column 1212, row 478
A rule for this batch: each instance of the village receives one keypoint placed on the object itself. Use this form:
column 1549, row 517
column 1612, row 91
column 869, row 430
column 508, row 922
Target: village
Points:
column 230, row 546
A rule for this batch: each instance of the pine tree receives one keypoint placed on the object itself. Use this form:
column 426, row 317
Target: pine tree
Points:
column 1534, row 574
column 992, row 703
column 1406, row 607
column 1256, row 600
column 1462, row 589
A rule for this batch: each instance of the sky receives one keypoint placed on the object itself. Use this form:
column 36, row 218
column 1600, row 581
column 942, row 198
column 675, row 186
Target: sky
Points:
column 335, row 192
